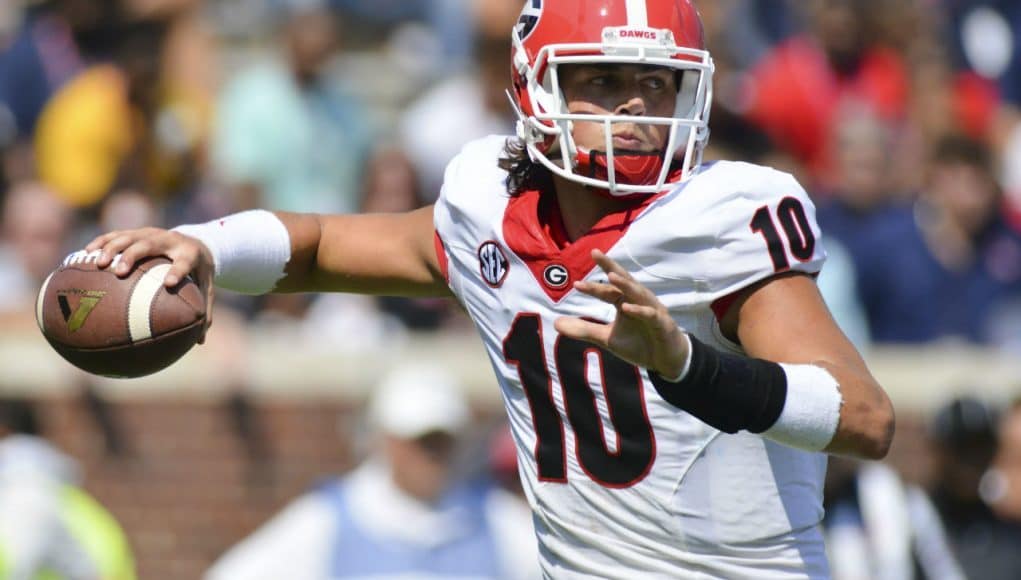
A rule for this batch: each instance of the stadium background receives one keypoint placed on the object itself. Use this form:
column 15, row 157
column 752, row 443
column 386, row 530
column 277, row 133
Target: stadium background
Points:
column 114, row 114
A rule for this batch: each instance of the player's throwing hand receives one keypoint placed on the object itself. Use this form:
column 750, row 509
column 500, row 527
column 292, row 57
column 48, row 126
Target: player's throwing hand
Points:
column 188, row 256
column 643, row 332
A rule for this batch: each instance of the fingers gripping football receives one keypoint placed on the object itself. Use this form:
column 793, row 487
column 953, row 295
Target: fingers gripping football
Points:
column 643, row 332
column 187, row 256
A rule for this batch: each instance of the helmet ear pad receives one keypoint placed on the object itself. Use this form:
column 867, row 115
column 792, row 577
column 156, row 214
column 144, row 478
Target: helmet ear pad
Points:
column 689, row 101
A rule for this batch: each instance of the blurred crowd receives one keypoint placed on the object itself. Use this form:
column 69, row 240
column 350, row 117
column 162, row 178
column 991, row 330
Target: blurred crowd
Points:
column 126, row 113
column 902, row 118
column 962, row 522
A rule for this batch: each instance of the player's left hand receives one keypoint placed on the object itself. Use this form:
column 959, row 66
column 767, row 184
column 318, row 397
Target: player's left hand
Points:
column 643, row 333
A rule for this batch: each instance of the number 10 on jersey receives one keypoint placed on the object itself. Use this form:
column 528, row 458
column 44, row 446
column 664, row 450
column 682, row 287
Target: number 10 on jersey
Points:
column 621, row 384
column 796, row 228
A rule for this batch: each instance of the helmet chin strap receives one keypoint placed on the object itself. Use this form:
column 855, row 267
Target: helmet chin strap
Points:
column 629, row 167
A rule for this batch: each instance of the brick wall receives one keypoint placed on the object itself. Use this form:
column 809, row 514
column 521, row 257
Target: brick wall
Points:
column 184, row 485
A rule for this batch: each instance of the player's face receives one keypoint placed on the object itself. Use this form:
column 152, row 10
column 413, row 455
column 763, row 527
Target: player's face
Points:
column 965, row 193
column 422, row 466
column 620, row 89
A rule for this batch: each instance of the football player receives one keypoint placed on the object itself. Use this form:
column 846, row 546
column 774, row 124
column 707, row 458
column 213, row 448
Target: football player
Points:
column 672, row 377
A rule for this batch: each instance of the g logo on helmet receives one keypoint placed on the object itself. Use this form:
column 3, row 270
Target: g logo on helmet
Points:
column 555, row 276
column 529, row 18
column 493, row 263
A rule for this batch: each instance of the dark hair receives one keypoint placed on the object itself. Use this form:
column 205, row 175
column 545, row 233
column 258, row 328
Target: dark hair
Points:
column 958, row 149
column 523, row 174
column 18, row 415
column 964, row 424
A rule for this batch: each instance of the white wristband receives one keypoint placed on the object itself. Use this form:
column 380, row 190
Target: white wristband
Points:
column 250, row 249
column 687, row 363
column 811, row 411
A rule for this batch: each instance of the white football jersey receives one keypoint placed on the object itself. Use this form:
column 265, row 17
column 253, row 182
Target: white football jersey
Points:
column 622, row 484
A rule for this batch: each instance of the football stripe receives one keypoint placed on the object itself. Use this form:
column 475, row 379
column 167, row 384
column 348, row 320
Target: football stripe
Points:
column 140, row 305
column 637, row 15
column 40, row 300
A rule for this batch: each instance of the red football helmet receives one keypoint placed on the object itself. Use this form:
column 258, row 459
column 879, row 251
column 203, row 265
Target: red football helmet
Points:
column 664, row 33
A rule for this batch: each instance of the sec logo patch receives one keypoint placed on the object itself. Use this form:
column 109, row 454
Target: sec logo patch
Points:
column 493, row 263
column 555, row 276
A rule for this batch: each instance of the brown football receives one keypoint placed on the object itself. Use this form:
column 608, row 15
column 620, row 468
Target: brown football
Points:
column 119, row 327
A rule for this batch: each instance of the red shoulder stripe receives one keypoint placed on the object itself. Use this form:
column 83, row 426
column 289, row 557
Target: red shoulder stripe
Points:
column 722, row 305
column 441, row 255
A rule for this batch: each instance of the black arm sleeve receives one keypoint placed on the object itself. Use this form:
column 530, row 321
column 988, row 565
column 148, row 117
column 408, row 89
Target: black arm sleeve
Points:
column 727, row 391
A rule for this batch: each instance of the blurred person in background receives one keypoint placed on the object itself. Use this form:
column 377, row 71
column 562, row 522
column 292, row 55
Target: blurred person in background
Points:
column 365, row 323
column 392, row 182
column 878, row 527
column 128, row 208
column 104, row 131
column 55, row 40
column 49, row 527
column 464, row 107
column 931, row 117
column 173, row 157
column 36, row 231
column 191, row 52
column 858, row 204
column 1002, row 485
column 404, row 512
column 796, row 90
column 434, row 128
column 287, row 135
column 392, row 185
column 84, row 135
column 947, row 268
column 964, row 440
column 859, row 199
column 51, row 42
column 37, row 228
